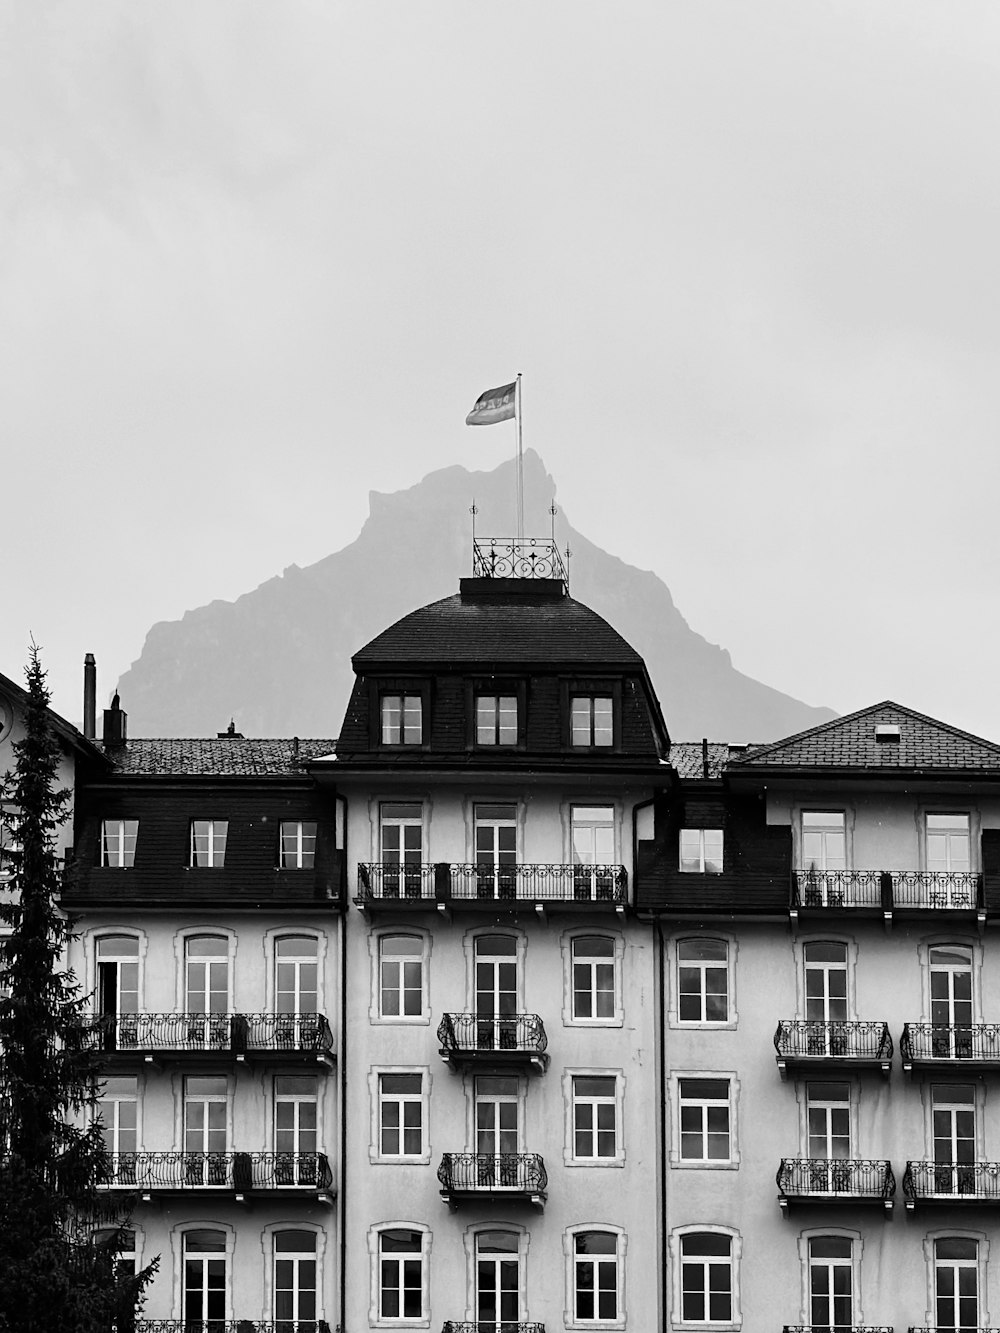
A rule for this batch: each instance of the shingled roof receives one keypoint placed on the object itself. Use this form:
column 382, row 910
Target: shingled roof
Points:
column 503, row 628
column 850, row 743
column 228, row 756
column 688, row 757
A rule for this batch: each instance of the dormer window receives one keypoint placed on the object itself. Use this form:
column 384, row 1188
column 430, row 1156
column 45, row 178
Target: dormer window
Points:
column 592, row 720
column 496, row 719
column 208, row 842
column 118, row 839
column 402, row 719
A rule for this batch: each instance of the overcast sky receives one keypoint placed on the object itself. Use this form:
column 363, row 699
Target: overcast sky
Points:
column 258, row 259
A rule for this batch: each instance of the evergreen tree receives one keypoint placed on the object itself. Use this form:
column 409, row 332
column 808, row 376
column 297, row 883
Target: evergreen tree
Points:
column 60, row 1233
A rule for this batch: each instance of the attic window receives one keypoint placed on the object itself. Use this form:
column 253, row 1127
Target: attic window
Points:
column 886, row 734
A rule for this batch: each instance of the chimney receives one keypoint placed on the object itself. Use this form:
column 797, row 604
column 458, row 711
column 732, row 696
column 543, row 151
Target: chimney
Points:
column 230, row 733
column 704, row 756
column 90, row 697
column 115, row 723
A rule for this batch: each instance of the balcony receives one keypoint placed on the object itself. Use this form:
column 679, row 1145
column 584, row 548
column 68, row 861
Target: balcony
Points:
column 804, row 1044
column 208, row 1038
column 965, row 1183
column 848, row 1328
column 241, row 1174
column 490, row 1326
column 815, row 1180
column 973, row 1047
column 387, row 886
column 937, row 891
column 226, row 1326
column 514, row 1177
column 839, row 890
column 514, row 1039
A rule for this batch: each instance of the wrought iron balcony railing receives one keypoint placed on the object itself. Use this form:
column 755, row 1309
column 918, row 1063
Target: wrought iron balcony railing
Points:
column 490, row 1326
column 514, row 1173
column 837, row 888
column 831, row 1179
column 235, row 1034
column 843, row 1328
column 240, row 1172
column 936, row 1043
column 936, row 889
column 866, row 1042
column 226, row 1326
column 390, row 880
column 477, row 1038
column 945, row 1182
column 517, row 558
column 540, row 883
column 953, row 1328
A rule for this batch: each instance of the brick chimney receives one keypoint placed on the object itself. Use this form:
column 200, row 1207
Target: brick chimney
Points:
column 115, row 723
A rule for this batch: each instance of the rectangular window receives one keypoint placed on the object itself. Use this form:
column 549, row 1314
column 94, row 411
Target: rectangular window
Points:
column 948, row 850
column 824, row 840
column 208, row 842
column 9, row 847
column 593, row 978
column 119, row 1113
column 298, row 845
column 704, row 1116
column 401, row 976
column 401, row 848
column 118, row 837
column 595, row 1134
column 595, row 1276
column 496, row 719
column 831, row 1283
column 706, row 1278
column 953, row 1113
column 295, row 1130
column 400, row 1115
column 206, row 1107
column 496, row 851
column 401, row 1275
column 702, row 981
column 402, row 719
column 592, row 720
column 956, row 1283
column 701, row 851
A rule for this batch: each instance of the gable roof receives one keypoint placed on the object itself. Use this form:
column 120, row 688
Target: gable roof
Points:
column 850, row 743
column 227, row 756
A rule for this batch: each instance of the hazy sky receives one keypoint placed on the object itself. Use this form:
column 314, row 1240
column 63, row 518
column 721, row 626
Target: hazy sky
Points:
column 258, row 259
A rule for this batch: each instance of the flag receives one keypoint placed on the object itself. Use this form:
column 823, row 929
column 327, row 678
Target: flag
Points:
column 493, row 405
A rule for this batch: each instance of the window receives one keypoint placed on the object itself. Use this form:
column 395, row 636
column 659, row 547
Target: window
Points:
column 208, row 842
column 498, row 1280
column 593, row 978
column 295, row 1143
column 401, row 1274
column 701, row 851
column 706, row 1278
column 951, row 1001
column 948, row 844
column 402, row 719
column 206, row 1105
column 595, row 1114
column 401, row 1115
column 296, row 975
column 127, row 1261
column 401, row 976
column 591, row 720
column 496, row 992
column 828, row 1136
column 496, row 851
column 704, row 1119
column 824, row 840
column 595, row 1276
column 206, row 1277
column 498, row 1138
column 702, row 981
column 831, row 1283
column 826, row 992
column 401, row 838
column 206, row 987
column 592, row 829
column 118, row 1109
column 118, row 975
column 496, row 719
column 298, row 845
column 956, row 1283
column 294, row 1277
column 118, row 838
column 9, row 847
column 953, row 1121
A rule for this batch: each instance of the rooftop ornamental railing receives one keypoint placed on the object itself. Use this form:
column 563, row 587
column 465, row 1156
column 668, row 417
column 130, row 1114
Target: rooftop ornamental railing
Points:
column 236, row 1033
column 808, row 1039
column 389, row 879
column 837, row 888
column 978, row 1181
column 472, row 1172
column 509, row 1034
column 517, row 558
column 811, row 1177
column 239, row 1171
column 540, row 883
column 936, row 888
column 936, row 1041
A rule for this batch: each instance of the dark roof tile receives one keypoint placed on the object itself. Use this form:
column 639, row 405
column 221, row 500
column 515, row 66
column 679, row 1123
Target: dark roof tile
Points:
column 228, row 756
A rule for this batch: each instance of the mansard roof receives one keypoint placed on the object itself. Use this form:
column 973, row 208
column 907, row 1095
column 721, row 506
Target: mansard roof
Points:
column 225, row 757
column 500, row 630
column 851, row 743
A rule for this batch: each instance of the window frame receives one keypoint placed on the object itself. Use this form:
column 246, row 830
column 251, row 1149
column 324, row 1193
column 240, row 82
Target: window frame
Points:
column 674, row 1018
column 404, row 687
column 703, row 861
column 375, row 1316
column 572, row 1102
column 676, row 1078
column 572, row 1319
column 983, row 1245
column 847, row 827
column 375, row 1154
column 569, row 1016
column 496, row 691
column 212, row 852
column 8, row 843
column 301, row 859
column 125, row 857
column 856, row 1238
column 677, row 1237
column 591, row 697
column 134, row 1097
column 376, row 939
column 972, row 829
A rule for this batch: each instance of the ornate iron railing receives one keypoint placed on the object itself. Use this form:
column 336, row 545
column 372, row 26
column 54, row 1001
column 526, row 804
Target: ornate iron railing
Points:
column 936, row 1041
column 806, row 1039
column 390, row 879
column 951, row 1328
column 809, row 1177
column 540, row 883
column 236, row 1033
column 226, row 1326
column 936, row 889
column 239, row 1171
column 510, row 1172
column 490, row 1326
column 944, row 1180
column 840, row 1328
column 837, row 888
column 517, row 558
column 510, row 1034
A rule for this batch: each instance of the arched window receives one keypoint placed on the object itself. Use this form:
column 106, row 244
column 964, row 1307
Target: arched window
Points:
column 706, row 1277
column 956, row 1282
column 295, row 1274
column 596, row 1276
column 400, row 1274
column 296, row 974
column 206, row 1276
column 594, row 980
column 118, row 974
column 831, row 1283
column 498, row 1278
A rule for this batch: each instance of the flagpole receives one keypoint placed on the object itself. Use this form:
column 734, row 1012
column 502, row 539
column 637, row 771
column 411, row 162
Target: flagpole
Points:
column 520, row 461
